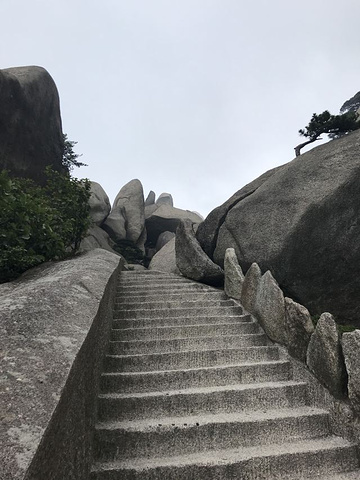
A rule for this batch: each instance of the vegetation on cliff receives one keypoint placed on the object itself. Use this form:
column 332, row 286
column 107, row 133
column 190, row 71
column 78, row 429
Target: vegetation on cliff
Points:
column 324, row 123
column 41, row 223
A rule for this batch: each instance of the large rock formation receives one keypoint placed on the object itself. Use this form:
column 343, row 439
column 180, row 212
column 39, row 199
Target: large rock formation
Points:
column 99, row 204
column 127, row 217
column 30, row 123
column 302, row 222
column 166, row 218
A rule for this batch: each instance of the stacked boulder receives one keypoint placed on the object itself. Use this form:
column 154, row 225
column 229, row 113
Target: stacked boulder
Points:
column 150, row 226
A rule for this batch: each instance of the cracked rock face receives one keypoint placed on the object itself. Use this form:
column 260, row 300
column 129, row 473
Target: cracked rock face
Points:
column 301, row 222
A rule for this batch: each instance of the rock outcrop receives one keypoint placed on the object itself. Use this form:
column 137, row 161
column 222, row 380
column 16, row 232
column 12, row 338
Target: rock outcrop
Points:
column 166, row 218
column 301, row 221
column 165, row 199
column 30, row 123
column 99, row 204
column 165, row 259
column 191, row 260
column 127, row 217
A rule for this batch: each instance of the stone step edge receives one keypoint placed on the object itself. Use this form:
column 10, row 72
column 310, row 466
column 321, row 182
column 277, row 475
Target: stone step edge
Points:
column 209, row 350
column 211, row 337
column 247, row 416
column 209, row 368
column 230, row 456
column 205, row 390
column 177, row 327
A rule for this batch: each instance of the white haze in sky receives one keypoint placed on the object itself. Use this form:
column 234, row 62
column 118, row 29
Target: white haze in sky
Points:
column 193, row 97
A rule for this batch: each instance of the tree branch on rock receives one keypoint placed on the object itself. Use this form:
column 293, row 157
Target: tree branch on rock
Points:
column 335, row 126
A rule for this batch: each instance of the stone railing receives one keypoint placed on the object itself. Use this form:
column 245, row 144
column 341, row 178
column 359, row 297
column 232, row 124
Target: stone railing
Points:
column 334, row 360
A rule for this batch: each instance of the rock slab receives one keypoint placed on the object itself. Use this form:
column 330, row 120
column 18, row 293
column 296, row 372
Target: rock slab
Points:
column 325, row 358
column 99, row 204
column 270, row 308
column 299, row 328
column 351, row 350
column 234, row 277
column 191, row 260
column 250, row 288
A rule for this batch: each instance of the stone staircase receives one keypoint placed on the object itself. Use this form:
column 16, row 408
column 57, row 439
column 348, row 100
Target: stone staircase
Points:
column 193, row 389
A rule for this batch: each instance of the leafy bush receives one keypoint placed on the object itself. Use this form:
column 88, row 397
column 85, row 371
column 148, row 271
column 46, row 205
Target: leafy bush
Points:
column 129, row 251
column 40, row 223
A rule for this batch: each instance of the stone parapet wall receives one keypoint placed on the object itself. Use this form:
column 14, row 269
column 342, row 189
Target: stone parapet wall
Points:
column 56, row 321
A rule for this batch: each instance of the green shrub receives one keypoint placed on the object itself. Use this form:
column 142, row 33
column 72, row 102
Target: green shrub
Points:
column 129, row 251
column 40, row 223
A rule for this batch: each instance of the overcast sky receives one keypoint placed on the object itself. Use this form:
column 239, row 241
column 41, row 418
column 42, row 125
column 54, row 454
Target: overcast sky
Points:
column 193, row 97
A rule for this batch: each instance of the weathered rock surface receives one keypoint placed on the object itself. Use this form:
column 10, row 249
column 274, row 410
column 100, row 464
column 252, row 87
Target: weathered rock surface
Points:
column 150, row 199
column 299, row 328
column 325, row 358
column 99, row 204
column 234, row 277
column 250, row 288
column 165, row 199
column 191, row 260
column 127, row 217
column 351, row 350
column 165, row 259
column 52, row 348
column 166, row 218
column 208, row 231
column 163, row 239
column 270, row 308
column 97, row 238
column 302, row 223
column 30, row 123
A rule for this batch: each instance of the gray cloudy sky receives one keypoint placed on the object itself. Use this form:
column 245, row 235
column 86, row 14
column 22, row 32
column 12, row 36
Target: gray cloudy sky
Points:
column 193, row 97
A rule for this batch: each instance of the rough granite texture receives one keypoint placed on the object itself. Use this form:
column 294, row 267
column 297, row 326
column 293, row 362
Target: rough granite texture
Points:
column 351, row 350
column 30, row 123
column 234, row 277
column 165, row 259
column 299, row 328
column 270, row 308
column 164, row 217
column 250, row 288
column 96, row 238
column 99, row 204
column 191, row 260
column 126, row 220
column 52, row 341
column 325, row 358
column 299, row 223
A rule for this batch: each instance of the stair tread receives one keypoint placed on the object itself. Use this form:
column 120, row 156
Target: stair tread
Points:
column 199, row 390
column 208, row 368
column 178, row 327
column 189, row 338
column 227, row 456
column 150, row 424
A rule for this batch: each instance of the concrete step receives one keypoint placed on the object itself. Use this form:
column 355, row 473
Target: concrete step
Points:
column 170, row 304
column 354, row 475
column 202, row 401
column 184, row 435
column 177, row 321
column 165, row 287
column 184, row 331
column 152, row 280
column 156, row 296
column 272, row 462
column 185, row 344
column 189, row 359
column 178, row 312
column 246, row 373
